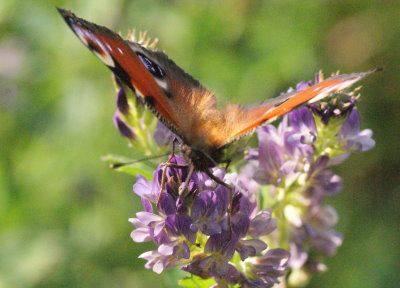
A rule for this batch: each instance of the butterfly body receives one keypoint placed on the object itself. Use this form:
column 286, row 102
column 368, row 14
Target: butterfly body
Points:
column 184, row 105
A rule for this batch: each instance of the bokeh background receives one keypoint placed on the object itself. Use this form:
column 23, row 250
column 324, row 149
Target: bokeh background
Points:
column 63, row 212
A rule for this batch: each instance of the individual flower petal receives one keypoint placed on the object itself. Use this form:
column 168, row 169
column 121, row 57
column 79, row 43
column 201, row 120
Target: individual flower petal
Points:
column 141, row 235
column 123, row 128
column 352, row 124
column 146, row 189
column 268, row 268
column 298, row 256
column 322, row 182
column 213, row 266
column 262, row 224
column 122, row 101
column 166, row 204
column 223, row 244
column 162, row 135
column 146, row 217
column 250, row 248
column 353, row 139
column 301, row 119
column 155, row 261
column 240, row 223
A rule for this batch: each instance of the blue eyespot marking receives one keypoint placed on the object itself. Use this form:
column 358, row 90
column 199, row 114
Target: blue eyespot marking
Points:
column 152, row 67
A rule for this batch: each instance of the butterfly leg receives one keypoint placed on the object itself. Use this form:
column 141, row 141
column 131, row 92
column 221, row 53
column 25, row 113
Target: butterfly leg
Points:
column 227, row 162
column 164, row 172
column 183, row 189
column 173, row 146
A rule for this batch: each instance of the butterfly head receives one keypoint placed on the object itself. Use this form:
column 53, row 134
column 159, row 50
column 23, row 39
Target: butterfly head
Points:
column 201, row 159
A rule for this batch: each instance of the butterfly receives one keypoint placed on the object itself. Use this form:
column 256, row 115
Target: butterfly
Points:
column 182, row 103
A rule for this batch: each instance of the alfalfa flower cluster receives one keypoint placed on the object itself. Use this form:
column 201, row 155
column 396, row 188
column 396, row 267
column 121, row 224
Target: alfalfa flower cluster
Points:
column 273, row 226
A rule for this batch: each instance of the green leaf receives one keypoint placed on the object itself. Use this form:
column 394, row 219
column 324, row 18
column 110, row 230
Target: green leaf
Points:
column 113, row 158
column 121, row 164
column 136, row 169
column 196, row 282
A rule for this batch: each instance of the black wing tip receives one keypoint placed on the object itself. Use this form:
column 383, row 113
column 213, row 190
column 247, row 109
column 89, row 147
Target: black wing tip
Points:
column 369, row 72
column 372, row 71
column 65, row 13
column 73, row 21
column 69, row 17
column 356, row 75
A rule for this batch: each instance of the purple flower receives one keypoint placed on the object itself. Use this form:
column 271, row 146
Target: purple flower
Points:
column 352, row 138
column 304, row 131
column 317, row 235
column 220, row 247
column 162, row 135
column 283, row 151
column 214, row 266
column 166, row 256
column 209, row 211
column 321, row 181
column 226, row 222
column 267, row 269
column 122, row 102
column 169, row 227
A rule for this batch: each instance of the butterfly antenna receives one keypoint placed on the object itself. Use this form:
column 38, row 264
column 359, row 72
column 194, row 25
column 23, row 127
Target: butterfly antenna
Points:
column 122, row 164
column 212, row 176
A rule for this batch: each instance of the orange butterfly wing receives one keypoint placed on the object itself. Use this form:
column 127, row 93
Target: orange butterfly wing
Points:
column 113, row 51
column 270, row 110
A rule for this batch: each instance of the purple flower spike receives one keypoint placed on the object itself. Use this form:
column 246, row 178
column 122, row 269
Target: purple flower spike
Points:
column 123, row 128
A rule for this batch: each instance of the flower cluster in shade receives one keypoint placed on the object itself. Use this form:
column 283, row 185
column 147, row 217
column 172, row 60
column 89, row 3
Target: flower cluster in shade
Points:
column 202, row 231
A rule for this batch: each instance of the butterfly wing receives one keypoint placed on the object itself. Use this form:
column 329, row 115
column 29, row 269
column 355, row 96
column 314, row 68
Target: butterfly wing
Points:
column 127, row 65
column 270, row 110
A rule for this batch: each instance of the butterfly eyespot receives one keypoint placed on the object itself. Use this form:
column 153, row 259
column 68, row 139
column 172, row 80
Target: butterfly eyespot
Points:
column 152, row 67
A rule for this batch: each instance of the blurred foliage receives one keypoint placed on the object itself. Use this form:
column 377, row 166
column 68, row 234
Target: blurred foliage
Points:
column 63, row 212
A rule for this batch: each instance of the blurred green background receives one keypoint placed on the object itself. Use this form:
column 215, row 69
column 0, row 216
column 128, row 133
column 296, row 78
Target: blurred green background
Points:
column 63, row 212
